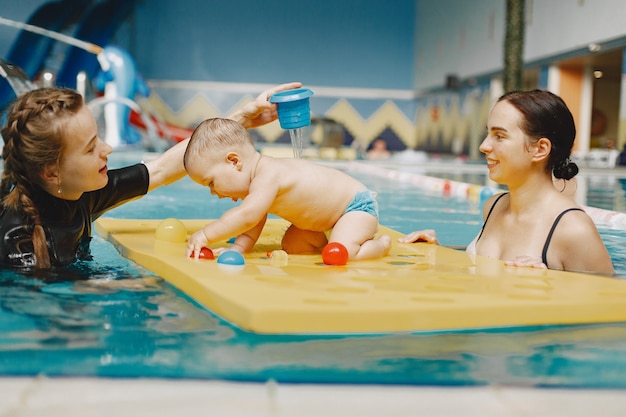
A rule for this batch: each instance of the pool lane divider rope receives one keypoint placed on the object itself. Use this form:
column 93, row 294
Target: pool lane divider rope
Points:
column 447, row 188
column 476, row 194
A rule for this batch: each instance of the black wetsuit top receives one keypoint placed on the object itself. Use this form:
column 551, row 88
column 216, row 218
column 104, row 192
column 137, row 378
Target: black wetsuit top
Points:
column 544, row 252
column 67, row 224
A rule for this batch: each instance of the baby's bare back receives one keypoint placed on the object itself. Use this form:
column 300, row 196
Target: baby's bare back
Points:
column 311, row 196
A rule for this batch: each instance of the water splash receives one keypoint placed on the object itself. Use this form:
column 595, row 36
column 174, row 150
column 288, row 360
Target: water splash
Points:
column 296, row 141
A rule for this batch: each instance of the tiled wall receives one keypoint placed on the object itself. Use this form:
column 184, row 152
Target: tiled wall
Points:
column 443, row 122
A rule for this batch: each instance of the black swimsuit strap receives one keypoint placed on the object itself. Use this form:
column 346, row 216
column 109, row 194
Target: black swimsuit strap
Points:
column 544, row 254
column 489, row 214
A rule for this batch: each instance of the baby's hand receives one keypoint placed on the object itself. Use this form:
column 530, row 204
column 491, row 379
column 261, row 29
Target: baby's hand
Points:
column 526, row 261
column 428, row 236
column 195, row 243
column 218, row 251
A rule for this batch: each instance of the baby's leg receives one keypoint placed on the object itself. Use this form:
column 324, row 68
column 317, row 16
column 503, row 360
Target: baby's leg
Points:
column 300, row 241
column 355, row 230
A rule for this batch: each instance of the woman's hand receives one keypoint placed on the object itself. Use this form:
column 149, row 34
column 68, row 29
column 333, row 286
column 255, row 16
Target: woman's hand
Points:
column 427, row 236
column 260, row 111
column 526, row 261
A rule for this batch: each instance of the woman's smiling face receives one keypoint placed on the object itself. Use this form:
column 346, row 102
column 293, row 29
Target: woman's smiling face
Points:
column 83, row 165
column 505, row 146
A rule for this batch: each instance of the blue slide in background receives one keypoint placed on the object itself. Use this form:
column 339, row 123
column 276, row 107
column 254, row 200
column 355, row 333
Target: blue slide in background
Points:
column 97, row 26
column 30, row 50
column 96, row 23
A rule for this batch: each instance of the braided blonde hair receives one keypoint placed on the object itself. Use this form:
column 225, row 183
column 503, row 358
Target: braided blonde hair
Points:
column 33, row 140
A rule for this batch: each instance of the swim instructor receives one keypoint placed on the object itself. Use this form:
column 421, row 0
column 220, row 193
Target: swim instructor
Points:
column 55, row 181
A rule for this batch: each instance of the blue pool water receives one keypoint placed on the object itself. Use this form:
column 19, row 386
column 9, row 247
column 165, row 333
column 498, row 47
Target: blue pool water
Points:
column 113, row 318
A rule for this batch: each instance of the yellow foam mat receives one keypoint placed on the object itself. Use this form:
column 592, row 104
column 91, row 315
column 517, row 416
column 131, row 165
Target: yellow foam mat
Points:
column 418, row 287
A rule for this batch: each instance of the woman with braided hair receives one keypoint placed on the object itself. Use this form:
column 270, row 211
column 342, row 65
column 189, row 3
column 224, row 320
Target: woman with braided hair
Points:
column 530, row 135
column 55, row 180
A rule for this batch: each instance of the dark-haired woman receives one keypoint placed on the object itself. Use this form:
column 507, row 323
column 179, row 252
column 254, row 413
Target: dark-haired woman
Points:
column 529, row 139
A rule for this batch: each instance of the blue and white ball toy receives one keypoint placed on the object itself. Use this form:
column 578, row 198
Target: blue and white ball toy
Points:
column 231, row 258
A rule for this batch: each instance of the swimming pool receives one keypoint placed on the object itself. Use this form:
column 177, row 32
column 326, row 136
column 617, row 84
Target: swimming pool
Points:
column 113, row 318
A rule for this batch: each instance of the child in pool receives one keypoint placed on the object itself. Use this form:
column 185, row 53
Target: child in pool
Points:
column 55, row 179
column 314, row 198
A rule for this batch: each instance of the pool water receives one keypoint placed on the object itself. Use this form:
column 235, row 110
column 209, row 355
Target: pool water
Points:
column 113, row 318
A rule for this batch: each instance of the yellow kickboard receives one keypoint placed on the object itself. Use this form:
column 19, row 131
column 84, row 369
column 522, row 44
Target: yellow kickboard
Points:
column 417, row 287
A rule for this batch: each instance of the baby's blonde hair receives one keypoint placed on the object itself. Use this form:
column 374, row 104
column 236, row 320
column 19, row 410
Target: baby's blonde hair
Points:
column 217, row 134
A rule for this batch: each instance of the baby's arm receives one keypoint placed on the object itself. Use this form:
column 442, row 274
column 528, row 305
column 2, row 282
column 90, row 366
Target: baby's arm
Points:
column 245, row 241
column 246, row 219
column 231, row 223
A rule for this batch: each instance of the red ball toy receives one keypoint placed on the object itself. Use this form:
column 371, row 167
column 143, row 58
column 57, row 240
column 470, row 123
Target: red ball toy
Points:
column 205, row 253
column 335, row 253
